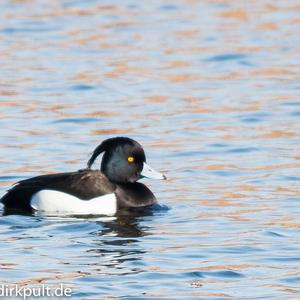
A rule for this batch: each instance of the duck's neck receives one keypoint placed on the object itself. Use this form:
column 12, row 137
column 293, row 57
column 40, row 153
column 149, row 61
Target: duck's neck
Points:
column 134, row 195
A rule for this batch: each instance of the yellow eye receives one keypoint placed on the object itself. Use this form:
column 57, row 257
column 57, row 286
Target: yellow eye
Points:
column 130, row 159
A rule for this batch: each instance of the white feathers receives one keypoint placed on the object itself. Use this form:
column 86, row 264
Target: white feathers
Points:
column 51, row 201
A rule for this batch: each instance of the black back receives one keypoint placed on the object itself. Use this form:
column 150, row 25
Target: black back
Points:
column 85, row 184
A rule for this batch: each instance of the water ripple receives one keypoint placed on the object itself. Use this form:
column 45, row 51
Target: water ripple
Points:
column 227, row 57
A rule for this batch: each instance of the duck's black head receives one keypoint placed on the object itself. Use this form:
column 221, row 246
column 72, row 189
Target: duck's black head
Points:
column 123, row 161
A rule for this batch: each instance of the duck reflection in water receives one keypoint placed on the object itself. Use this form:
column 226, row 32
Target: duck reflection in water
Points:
column 118, row 243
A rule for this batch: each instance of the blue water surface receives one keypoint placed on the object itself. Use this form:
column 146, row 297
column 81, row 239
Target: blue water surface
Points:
column 211, row 91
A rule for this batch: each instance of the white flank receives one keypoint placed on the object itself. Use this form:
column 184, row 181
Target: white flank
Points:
column 58, row 202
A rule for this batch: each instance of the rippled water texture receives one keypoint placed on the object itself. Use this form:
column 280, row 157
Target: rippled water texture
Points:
column 211, row 89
